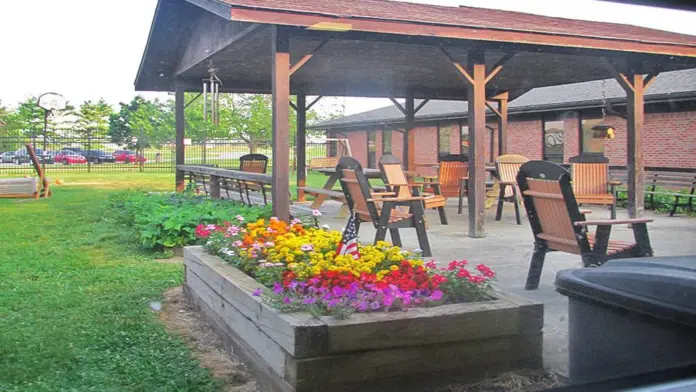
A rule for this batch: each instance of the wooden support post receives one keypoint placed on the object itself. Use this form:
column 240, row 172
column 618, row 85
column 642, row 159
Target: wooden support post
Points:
column 477, row 148
column 634, row 85
column 280, row 76
column 502, row 123
column 214, row 186
column 180, row 119
column 301, row 145
column 409, row 135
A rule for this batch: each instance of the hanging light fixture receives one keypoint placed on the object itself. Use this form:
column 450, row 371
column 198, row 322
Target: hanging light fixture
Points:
column 603, row 130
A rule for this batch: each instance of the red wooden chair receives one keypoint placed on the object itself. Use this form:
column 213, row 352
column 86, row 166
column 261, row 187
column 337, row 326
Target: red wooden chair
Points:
column 558, row 224
column 591, row 183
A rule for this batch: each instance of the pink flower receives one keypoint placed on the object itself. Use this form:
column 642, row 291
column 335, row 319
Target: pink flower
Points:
column 307, row 247
column 257, row 292
column 237, row 244
column 436, row 295
column 316, row 213
column 431, row 264
column 240, row 218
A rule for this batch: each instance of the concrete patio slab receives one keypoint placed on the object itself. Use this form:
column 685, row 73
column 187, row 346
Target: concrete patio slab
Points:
column 507, row 249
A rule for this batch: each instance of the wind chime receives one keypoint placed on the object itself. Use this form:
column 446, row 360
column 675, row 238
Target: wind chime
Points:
column 211, row 89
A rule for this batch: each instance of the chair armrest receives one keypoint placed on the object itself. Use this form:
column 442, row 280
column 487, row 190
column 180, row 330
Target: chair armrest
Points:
column 397, row 199
column 609, row 222
column 585, row 212
column 383, row 193
column 411, row 184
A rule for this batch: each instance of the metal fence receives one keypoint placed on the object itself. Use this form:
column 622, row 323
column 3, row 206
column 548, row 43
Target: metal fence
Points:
column 158, row 157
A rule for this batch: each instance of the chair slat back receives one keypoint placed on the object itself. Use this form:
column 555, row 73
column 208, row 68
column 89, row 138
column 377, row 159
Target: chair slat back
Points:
column 590, row 174
column 323, row 163
column 551, row 206
column 356, row 189
column 507, row 167
column 393, row 173
column 450, row 177
column 253, row 163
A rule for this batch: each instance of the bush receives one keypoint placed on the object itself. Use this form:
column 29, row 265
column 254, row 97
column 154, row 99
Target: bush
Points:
column 170, row 219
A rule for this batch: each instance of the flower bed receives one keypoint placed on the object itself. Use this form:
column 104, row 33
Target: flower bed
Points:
column 302, row 270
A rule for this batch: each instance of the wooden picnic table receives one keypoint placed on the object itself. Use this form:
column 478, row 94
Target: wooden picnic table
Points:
column 327, row 191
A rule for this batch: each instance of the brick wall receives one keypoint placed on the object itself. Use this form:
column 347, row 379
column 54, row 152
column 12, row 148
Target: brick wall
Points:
column 669, row 140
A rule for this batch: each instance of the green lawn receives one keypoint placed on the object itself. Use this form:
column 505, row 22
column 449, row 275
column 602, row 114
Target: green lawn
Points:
column 74, row 296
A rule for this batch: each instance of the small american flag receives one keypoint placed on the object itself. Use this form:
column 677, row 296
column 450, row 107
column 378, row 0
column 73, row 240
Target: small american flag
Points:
column 349, row 241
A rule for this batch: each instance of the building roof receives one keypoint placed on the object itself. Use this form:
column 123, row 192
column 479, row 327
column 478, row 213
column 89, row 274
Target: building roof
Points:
column 668, row 85
column 400, row 11
column 399, row 43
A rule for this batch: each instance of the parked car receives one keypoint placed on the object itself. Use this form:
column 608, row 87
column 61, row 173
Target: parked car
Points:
column 22, row 156
column 128, row 157
column 7, row 157
column 69, row 157
column 97, row 156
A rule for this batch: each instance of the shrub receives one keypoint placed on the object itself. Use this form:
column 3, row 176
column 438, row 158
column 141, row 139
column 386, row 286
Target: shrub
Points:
column 170, row 219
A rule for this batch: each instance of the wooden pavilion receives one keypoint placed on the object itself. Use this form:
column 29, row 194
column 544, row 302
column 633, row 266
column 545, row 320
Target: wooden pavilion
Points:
column 380, row 48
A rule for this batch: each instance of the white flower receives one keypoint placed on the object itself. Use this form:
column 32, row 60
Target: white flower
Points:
column 325, row 227
column 240, row 218
column 418, row 250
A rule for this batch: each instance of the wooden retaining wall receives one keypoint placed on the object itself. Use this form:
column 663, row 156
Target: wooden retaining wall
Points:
column 425, row 346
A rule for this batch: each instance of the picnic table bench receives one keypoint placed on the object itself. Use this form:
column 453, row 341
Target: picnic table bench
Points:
column 667, row 183
column 250, row 188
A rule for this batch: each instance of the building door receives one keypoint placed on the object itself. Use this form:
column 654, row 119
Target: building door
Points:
column 372, row 149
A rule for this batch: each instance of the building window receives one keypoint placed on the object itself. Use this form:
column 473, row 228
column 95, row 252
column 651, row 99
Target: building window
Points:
column 386, row 142
column 590, row 145
column 553, row 140
column 444, row 140
column 465, row 140
column 372, row 149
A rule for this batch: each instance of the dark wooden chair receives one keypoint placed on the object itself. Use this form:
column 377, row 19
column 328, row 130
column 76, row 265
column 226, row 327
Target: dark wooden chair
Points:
column 591, row 184
column 381, row 208
column 558, row 224
column 395, row 180
column 249, row 163
column 507, row 167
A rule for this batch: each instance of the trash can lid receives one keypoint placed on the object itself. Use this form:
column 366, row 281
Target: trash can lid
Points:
column 662, row 287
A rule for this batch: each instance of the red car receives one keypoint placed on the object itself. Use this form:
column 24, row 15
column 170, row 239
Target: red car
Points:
column 69, row 157
column 126, row 156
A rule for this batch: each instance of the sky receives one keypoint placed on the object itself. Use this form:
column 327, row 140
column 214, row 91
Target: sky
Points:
column 89, row 49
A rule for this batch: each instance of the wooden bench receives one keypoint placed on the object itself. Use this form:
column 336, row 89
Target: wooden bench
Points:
column 249, row 188
column 666, row 183
column 323, row 163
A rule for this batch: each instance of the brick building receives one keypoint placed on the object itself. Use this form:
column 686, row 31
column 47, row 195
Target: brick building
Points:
column 551, row 123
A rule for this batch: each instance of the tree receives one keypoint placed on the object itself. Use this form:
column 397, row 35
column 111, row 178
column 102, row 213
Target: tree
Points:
column 142, row 123
column 28, row 118
column 93, row 118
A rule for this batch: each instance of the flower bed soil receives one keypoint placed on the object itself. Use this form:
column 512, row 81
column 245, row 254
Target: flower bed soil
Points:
column 382, row 350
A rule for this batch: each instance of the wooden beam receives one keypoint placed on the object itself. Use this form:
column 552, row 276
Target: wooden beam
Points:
column 307, row 57
column 314, row 102
column 410, row 135
column 474, row 33
column 634, row 143
column 624, row 82
column 301, row 145
column 398, row 105
column 280, row 190
column 292, row 105
column 420, row 105
column 210, row 36
column 649, row 80
column 497, row 67
column 477, row 146
column 503, row 125
column 192, row 100
column 504, row 95
column 463, row 74
column 493, row 109
column 180, row 125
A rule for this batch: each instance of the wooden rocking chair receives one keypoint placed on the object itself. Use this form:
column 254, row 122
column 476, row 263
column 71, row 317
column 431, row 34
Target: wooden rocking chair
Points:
column 558, row 224
column 395, row 180
column 363, row 204
column 591, row 184
column 507, row 167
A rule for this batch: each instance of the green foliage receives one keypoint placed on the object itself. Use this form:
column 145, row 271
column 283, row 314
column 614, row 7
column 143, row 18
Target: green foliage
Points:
column 93, row 118
column 142, row 123
column 74, row 294
column 169, row 220
column 661, row 203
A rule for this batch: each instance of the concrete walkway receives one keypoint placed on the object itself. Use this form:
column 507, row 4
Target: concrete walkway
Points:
column 507, row 249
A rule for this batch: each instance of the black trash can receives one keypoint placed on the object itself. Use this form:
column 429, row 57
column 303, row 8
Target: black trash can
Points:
column 630, row 316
